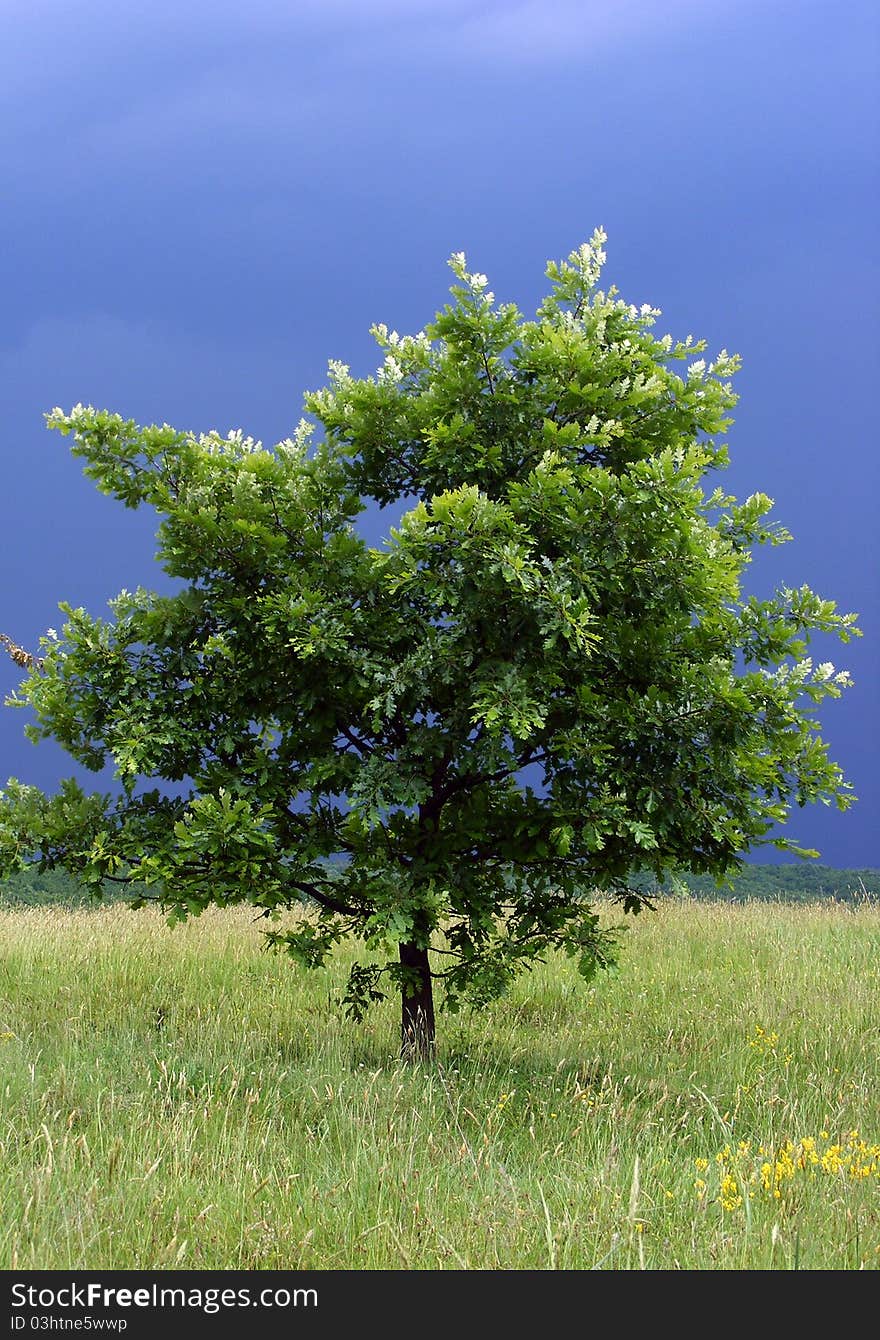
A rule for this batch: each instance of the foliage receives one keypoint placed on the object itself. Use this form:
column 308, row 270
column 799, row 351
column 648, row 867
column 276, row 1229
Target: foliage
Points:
column 547, row 678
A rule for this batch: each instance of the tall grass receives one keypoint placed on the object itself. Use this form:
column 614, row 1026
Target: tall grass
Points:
column 178, row 1099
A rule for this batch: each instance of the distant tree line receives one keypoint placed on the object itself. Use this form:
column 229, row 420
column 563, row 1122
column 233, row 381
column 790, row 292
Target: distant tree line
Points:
column 801, row 883
column 36, row 888
column 767, row 883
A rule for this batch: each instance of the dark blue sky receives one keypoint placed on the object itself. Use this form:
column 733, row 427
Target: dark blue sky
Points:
column 202, row 204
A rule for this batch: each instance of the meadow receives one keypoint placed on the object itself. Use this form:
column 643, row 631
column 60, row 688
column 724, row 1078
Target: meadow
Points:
column 178, row 1099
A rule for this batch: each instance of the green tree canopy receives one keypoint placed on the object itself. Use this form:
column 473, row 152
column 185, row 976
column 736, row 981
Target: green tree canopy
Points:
column 548, row 677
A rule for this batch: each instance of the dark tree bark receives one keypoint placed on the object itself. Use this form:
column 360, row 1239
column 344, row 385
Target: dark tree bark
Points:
column 417, row 1031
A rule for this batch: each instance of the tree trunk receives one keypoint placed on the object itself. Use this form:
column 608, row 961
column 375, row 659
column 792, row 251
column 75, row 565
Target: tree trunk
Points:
column 417, row 1034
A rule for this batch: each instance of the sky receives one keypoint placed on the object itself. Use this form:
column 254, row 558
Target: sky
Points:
column 203, row 203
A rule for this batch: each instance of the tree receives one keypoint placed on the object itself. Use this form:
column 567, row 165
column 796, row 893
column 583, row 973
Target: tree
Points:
column 547, row 678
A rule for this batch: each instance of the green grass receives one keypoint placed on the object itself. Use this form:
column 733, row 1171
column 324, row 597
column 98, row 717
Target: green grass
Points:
column 178, row 1099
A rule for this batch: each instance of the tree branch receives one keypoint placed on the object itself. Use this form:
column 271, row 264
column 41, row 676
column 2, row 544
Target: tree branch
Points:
column 325, row 900
column 22, row 658
column 358, row 743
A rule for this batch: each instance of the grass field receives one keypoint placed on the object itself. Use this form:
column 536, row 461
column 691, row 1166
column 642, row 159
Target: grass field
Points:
column 179, row 1099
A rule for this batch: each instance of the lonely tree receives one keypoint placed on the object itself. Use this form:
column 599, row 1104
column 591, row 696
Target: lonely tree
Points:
column 547, row 678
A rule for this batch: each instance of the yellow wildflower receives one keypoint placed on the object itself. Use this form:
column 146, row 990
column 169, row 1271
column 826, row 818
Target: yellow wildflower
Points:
column 730, row 1197
column 831, row 1161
